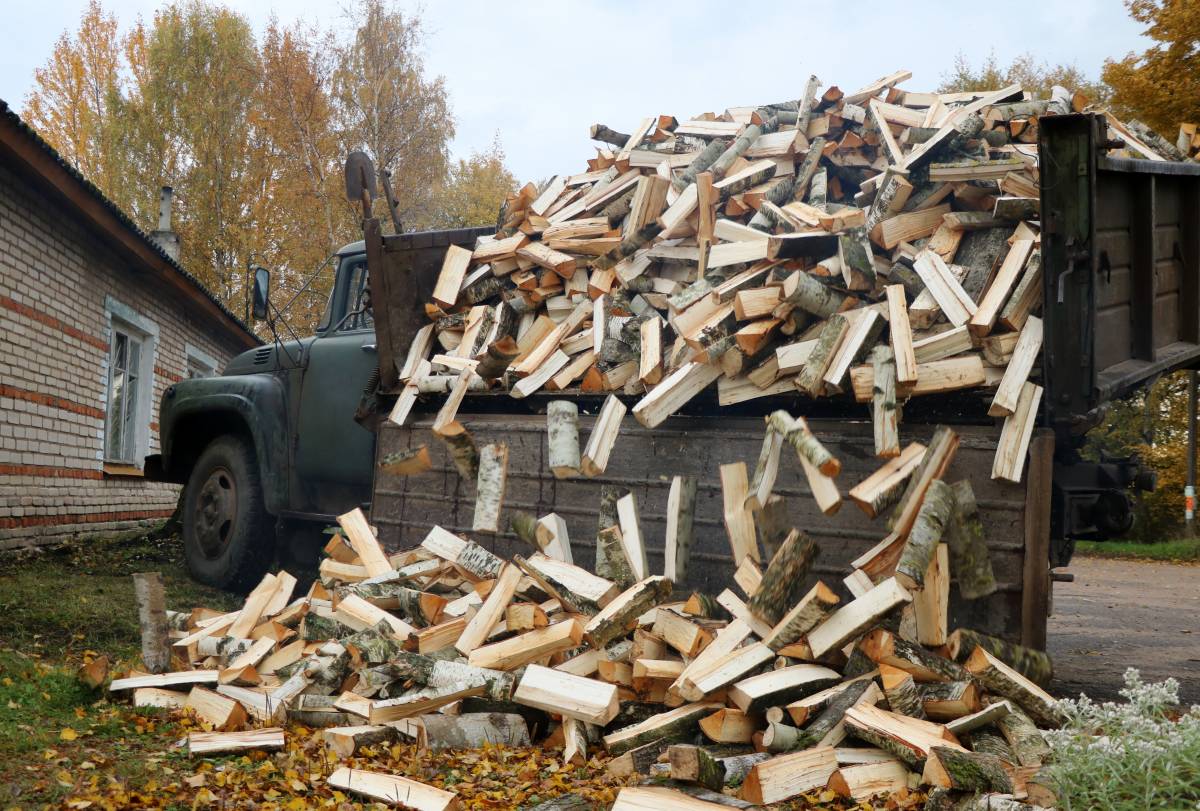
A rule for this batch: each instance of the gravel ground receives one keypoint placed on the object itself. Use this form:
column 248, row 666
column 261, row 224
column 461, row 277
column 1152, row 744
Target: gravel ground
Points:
column 1125, row 613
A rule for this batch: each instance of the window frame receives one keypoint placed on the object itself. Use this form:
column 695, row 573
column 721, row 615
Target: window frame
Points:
column 139, row 402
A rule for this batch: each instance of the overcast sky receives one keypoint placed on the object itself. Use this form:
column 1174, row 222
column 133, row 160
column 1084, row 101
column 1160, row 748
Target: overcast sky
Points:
column 540, row 72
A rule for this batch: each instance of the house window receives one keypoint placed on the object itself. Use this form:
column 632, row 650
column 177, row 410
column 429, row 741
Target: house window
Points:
column 128, row 376
column 200, row 363
column 124, row 395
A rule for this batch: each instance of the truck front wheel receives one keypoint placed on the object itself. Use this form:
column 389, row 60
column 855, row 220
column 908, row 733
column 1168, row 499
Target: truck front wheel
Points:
column 228, row 538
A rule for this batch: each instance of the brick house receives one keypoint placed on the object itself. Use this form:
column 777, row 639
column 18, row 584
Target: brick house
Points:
column 96, row 320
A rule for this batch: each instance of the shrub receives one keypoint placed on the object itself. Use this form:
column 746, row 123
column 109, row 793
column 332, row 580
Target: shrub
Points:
column 1140, row 755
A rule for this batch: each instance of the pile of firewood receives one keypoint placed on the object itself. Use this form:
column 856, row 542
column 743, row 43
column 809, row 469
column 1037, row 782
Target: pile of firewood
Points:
column 450, row 646
column 880, row 243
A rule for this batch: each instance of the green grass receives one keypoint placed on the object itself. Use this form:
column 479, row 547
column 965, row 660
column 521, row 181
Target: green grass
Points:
column 59, row 603
column 1184, row 550
column 55, row 606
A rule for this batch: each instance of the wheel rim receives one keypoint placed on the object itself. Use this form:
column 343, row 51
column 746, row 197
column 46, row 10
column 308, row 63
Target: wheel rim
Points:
column 216, row 512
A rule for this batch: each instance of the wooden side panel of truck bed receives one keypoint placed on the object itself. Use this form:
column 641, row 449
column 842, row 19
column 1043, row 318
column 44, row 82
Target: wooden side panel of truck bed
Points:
column 644, row 461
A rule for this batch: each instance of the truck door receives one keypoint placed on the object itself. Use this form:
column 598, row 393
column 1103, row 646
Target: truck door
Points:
column 334, row 454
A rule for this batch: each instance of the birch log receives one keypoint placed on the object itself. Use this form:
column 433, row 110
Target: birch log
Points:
column 152, row 620
column 969, row 558
column 783, row 576
column 562, row 423
column 681, row 508
column 489, row 487
column 926, row 533
column 885, row 414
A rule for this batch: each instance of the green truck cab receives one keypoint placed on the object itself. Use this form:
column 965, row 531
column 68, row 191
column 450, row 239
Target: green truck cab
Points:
column 270, row 451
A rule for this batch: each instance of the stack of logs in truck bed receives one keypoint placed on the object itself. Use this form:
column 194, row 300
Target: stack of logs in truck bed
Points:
column 880, row 244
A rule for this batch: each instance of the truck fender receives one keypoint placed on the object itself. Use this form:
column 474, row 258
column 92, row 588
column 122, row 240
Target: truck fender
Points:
column 252, row 404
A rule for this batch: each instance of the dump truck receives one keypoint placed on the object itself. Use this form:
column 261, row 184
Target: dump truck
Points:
column 290, row 435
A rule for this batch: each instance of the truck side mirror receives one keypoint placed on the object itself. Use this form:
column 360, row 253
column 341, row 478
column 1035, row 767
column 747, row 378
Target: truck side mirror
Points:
column 260, row 293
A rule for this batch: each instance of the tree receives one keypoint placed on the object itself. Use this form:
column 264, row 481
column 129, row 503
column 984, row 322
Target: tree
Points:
column 304, row 218
column 1026, row 70
column 1161, row 85
column 253, row 134
column 475, row 190
column 72, row 102
column 390, row 109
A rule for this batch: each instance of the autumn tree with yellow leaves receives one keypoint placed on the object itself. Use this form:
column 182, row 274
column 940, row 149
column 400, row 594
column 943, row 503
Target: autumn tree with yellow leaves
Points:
column 252, row 133
column 1161, row 85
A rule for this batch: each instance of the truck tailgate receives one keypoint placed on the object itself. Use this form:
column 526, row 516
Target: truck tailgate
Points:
column 644, row 461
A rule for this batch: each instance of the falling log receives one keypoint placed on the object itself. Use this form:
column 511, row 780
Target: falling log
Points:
column 765, row 470
column 969, row 558
column 681, row 508
column 497, row 357
column 885, row 414
column 926, row 533
column 1000, row 679
column 152, row 621
column 610, row 494
column 562, row 423
column 796, row 433
column 1034, row 665
column 461, row 447
column 773, row 524
column 856, row 616
column 813, row 608
column 931, row 605
column 937, row 458
column 783, row 576
column 489, row 487
column 407, row 462
column 966, row 771
column 472, row 730
column 616, row 562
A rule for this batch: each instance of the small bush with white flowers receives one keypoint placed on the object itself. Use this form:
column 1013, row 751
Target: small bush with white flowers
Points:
column 1139, row 755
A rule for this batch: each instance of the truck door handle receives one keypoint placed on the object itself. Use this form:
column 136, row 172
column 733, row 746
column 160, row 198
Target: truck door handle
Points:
column 369, row 347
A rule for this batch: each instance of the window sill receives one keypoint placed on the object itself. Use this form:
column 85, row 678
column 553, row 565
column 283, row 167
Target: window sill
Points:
column 113, row 470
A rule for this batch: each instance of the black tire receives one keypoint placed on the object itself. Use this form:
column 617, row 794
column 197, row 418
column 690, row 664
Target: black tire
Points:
column 228, row 536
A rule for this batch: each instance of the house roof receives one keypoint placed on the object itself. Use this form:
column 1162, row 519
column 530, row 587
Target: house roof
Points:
column 29, row 154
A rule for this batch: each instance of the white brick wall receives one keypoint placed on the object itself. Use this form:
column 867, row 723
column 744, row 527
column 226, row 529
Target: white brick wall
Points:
column 54, row 278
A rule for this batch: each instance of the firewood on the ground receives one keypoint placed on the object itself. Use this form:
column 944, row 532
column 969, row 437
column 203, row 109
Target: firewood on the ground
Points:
column 209, row 743
column 394, row 789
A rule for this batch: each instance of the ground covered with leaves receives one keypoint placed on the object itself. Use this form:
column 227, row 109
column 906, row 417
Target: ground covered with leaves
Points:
column 64, row 745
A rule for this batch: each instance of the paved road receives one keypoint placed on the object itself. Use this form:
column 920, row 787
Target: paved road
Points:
column 1123, row 613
